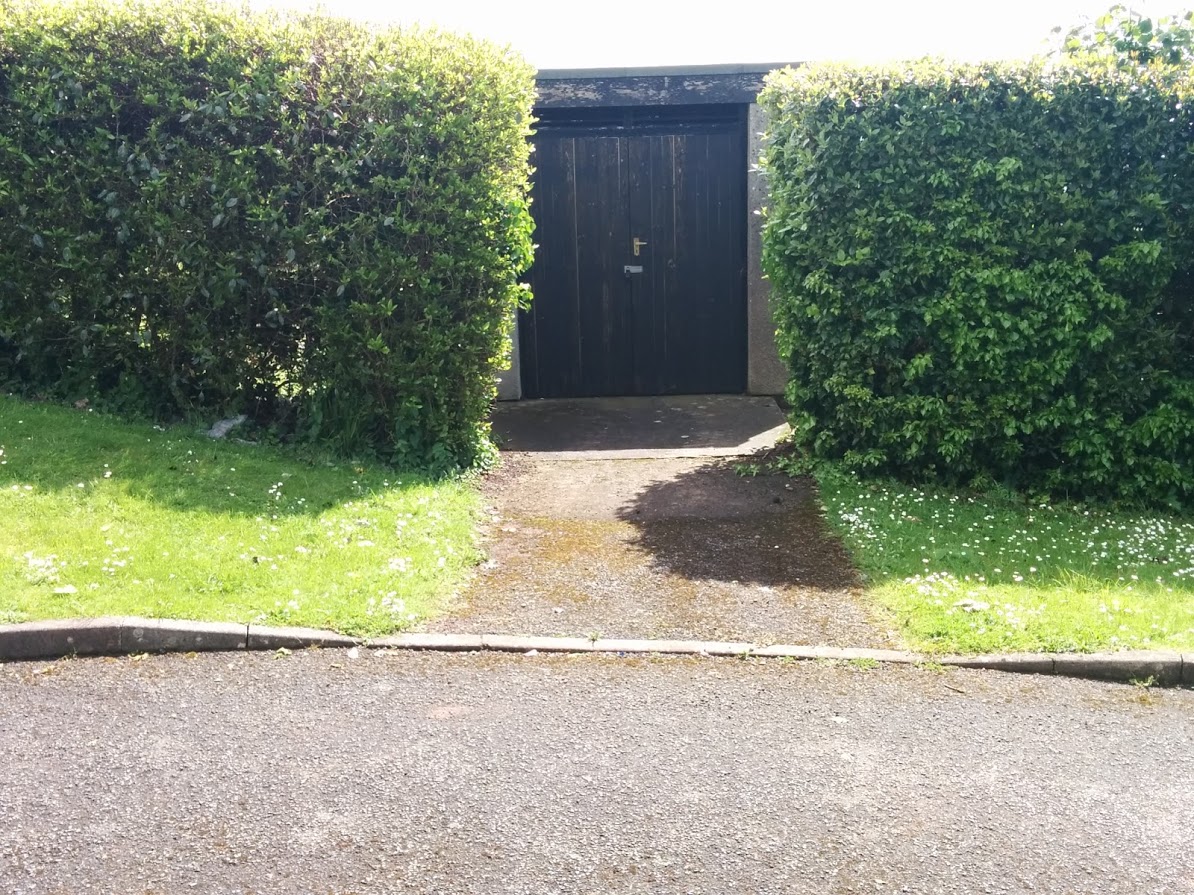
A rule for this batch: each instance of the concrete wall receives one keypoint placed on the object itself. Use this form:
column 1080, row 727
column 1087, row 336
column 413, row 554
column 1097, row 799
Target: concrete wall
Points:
column 510, row 380
column 766, row 374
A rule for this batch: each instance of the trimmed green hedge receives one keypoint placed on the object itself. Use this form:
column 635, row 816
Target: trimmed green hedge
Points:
column 208, row 211
column 983, row 273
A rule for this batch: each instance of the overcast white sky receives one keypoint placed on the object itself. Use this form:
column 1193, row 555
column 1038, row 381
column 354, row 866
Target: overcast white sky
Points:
column 622, row 33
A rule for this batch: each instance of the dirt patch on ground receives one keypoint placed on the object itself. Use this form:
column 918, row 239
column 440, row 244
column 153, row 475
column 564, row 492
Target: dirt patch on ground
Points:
column 660, row 548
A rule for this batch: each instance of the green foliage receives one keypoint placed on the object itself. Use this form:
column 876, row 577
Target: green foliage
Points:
column 210, row 211
column 1129, row 39
column 982, row 273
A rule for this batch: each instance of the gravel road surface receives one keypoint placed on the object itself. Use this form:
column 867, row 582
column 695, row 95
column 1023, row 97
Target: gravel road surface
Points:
column 402, row 772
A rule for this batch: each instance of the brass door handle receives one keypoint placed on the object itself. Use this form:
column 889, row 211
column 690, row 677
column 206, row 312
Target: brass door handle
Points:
column 638, row 244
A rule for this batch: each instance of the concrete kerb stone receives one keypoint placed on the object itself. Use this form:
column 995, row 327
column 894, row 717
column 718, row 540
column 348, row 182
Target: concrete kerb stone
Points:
column 164, row 635
column 891, row 656
column 635, row 647
column 1161, row 668
column 836, row 654
column 261, row 637
column 60, row 637
column 507, row 643
column 1022, row 663
column 110, row 636
column 451, row 643
column 107, row 636
column 726, row 648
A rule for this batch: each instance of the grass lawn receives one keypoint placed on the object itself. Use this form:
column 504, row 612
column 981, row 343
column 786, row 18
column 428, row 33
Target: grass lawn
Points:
column 104, row 517
column 971, row 573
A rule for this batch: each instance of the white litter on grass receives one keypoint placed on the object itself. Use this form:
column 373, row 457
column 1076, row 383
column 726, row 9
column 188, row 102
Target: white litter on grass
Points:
column 223, row 427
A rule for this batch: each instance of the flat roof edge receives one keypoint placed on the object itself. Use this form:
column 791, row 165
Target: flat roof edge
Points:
column 661, row 71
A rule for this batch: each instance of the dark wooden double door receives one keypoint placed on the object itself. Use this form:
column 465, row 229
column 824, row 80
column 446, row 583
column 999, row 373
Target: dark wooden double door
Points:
column 639, row 277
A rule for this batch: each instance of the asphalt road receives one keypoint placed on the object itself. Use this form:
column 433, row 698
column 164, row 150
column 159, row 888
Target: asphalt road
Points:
column 388, row 773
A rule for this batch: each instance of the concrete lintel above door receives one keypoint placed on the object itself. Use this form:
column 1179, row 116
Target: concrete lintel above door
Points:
column 672, row 86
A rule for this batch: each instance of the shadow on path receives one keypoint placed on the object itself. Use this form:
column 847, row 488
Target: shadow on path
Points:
column 709, row 523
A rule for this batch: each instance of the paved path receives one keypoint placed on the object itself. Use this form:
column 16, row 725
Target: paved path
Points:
column 625, row 517
column 319, row 773
column 680, row 548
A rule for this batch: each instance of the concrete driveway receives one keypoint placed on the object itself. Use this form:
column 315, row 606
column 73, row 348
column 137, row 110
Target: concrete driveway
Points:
column 639, row 428
column 627, row 518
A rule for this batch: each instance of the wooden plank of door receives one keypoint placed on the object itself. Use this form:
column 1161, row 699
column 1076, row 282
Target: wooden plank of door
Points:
column 705, row 301
column 726, row 153
column 652, row 220
column 606, row 345
column 550, row 331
